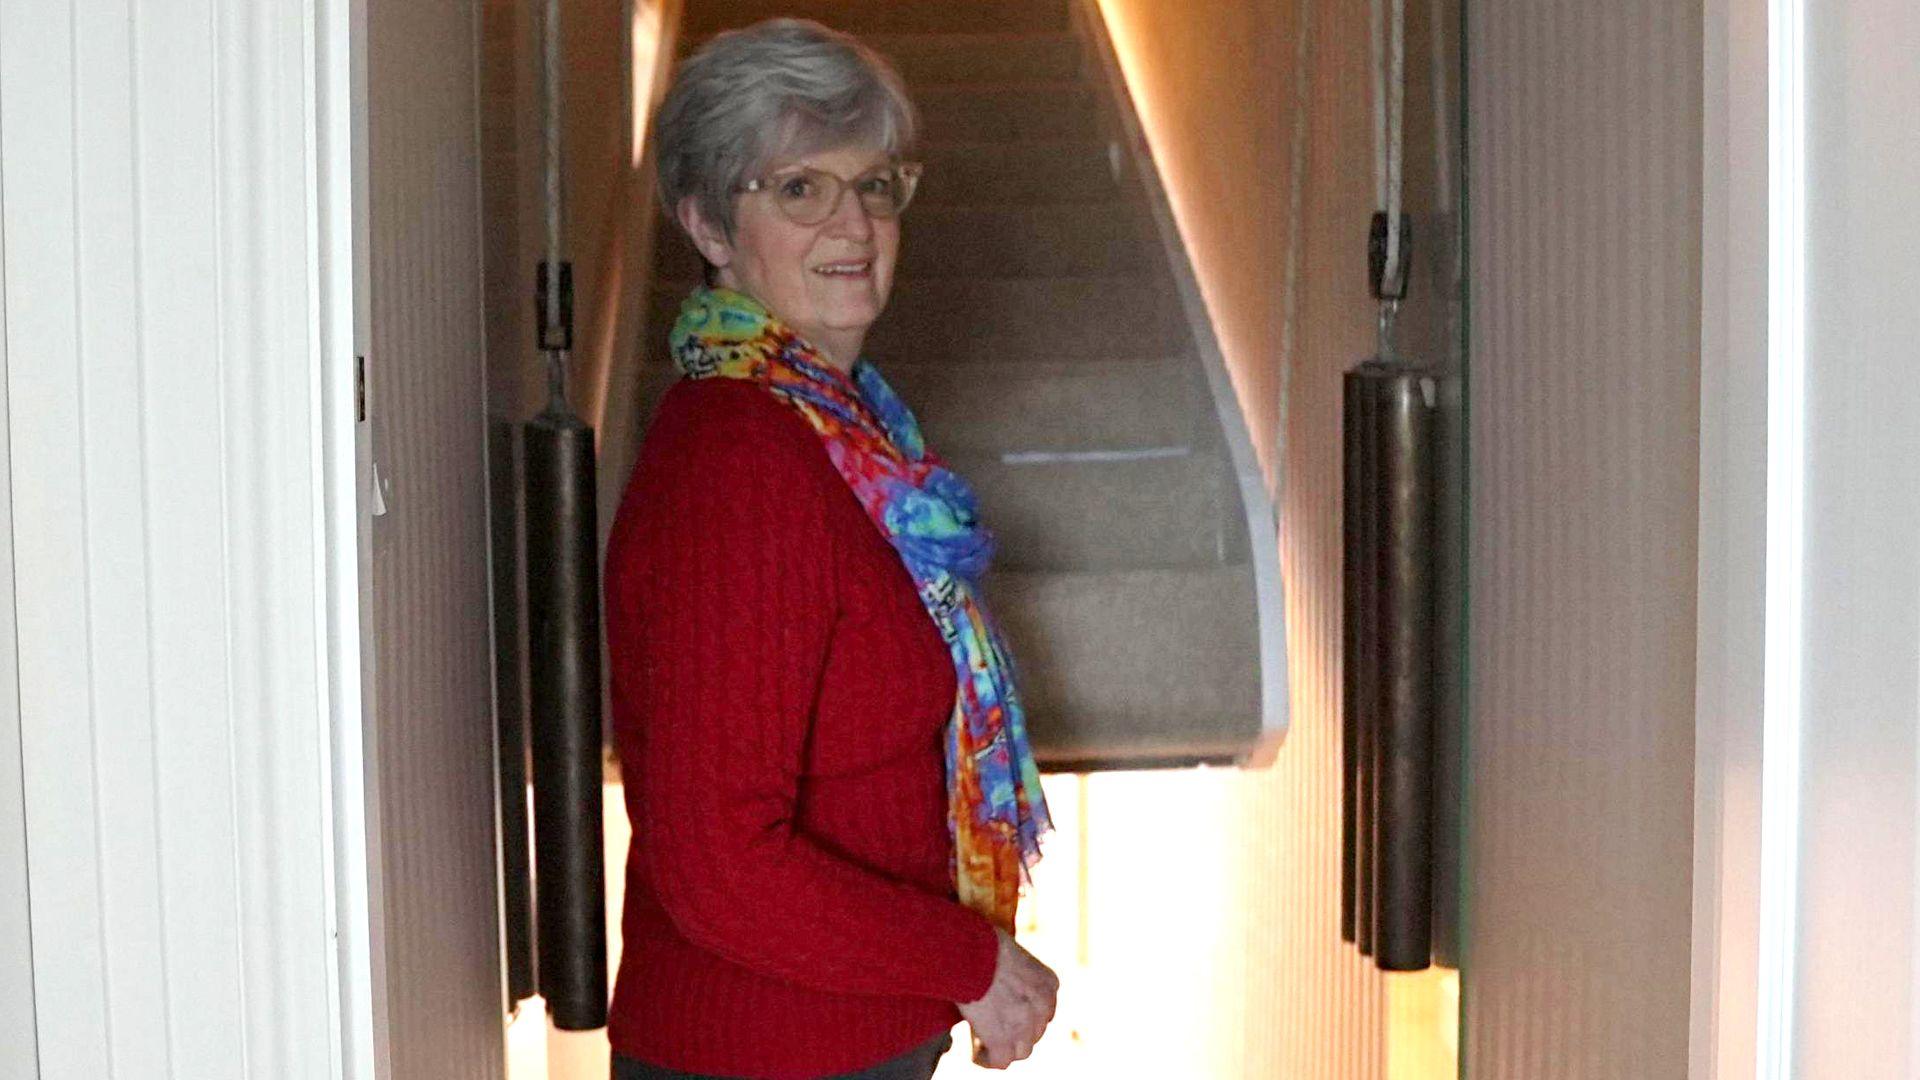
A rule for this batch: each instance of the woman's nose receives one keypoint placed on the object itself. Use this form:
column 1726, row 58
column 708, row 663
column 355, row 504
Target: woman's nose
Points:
column 850, row 219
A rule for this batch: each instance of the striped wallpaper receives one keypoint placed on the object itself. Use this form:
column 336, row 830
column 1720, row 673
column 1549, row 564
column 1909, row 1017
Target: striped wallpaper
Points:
column 432, row 658
column 1585, row 136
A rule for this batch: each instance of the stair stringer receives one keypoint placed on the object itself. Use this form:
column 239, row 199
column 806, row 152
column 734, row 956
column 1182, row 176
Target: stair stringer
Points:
column 1262, row 513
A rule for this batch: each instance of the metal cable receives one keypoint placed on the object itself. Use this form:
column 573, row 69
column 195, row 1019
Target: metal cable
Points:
column 1396, row 114
column 550, row 125
column 1387, row 48
column 1290, row 301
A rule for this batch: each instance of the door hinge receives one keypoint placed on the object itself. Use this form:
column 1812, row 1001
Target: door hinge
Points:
column 360, row 389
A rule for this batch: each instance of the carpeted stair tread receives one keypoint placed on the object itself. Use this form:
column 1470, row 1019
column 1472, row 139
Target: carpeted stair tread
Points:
column 1014, row 112
column 1107, row 657
column 1172, row 507
column 1012, row 319
column 1043, row 172
column 967, row 55
column 993, row 409
column 1044, row 405
column 887, row 16
column 932, row 60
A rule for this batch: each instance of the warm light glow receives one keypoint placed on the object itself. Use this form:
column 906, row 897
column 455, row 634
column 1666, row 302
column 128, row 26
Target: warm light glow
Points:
column 1134, row 907
column 1189, row 199
column 1120, row 909
column 536, row 1051
column 645, row 42
column 1423, row 1025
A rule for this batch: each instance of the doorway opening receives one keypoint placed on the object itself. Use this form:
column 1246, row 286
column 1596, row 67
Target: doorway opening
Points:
column 1202, row 945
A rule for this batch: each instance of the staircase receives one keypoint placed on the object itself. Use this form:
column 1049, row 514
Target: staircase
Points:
column 1037, row 330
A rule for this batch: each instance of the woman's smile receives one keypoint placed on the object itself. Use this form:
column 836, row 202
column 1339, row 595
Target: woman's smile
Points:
column 860, row 269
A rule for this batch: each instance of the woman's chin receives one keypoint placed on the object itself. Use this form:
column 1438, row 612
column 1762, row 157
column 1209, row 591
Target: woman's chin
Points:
column 850, row 310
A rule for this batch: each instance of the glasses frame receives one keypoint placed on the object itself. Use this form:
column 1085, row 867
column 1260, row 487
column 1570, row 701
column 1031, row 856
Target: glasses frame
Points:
column 908, row 171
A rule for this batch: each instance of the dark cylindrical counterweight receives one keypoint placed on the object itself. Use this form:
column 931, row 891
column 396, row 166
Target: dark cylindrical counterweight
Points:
column 1356, row 922
column 510, row 705
column 1409, row 547
column 563, row 639
column 1392, row 688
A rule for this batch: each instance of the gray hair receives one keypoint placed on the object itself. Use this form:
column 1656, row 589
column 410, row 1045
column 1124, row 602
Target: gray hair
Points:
column 778, row 87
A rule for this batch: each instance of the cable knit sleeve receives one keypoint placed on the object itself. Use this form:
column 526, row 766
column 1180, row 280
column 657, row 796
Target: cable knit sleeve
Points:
column 725, row 591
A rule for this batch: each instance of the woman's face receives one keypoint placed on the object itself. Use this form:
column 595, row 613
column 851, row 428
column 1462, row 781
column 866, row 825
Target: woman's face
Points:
column 827, row 281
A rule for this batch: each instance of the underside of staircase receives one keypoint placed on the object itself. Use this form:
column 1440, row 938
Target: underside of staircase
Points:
column 1037, row 329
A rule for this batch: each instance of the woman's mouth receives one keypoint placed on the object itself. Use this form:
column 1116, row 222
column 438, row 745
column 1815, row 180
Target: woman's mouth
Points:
column 850, row 269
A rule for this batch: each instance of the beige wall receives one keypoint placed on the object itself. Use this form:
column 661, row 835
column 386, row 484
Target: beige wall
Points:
column 1585, row 395
column 1213, row 82
column 437, row 968
column 1586, row 315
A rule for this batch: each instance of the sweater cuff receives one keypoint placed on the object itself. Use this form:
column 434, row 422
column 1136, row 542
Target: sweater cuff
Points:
column 979, row 957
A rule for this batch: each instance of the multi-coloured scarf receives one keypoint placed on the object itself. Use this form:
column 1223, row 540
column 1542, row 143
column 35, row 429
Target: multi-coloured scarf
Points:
column 995, row 808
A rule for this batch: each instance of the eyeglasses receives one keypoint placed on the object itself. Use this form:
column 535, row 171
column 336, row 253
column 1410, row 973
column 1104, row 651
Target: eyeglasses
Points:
column 809, row 196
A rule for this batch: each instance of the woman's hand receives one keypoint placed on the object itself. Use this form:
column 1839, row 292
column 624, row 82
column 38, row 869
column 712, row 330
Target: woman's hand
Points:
column 1016, row 1009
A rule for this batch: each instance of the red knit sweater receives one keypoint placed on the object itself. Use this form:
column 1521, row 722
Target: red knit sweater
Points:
column 780, row 699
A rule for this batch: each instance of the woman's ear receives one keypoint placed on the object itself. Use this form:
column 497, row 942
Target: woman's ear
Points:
column 707, row 236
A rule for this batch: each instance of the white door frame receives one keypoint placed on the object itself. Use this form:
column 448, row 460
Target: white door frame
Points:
column 19, row 1052
column 1807, row 909
column 1730, row 657
column 339, row 111
column 166, row 625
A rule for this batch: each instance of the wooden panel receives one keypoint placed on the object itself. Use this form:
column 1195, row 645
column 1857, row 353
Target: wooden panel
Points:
column 159, row 386
column 43, row 349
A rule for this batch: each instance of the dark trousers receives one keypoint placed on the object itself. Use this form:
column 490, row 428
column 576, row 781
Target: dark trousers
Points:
column 916, row 1064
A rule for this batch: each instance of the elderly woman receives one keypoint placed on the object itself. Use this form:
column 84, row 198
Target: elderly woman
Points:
column 832, row 794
